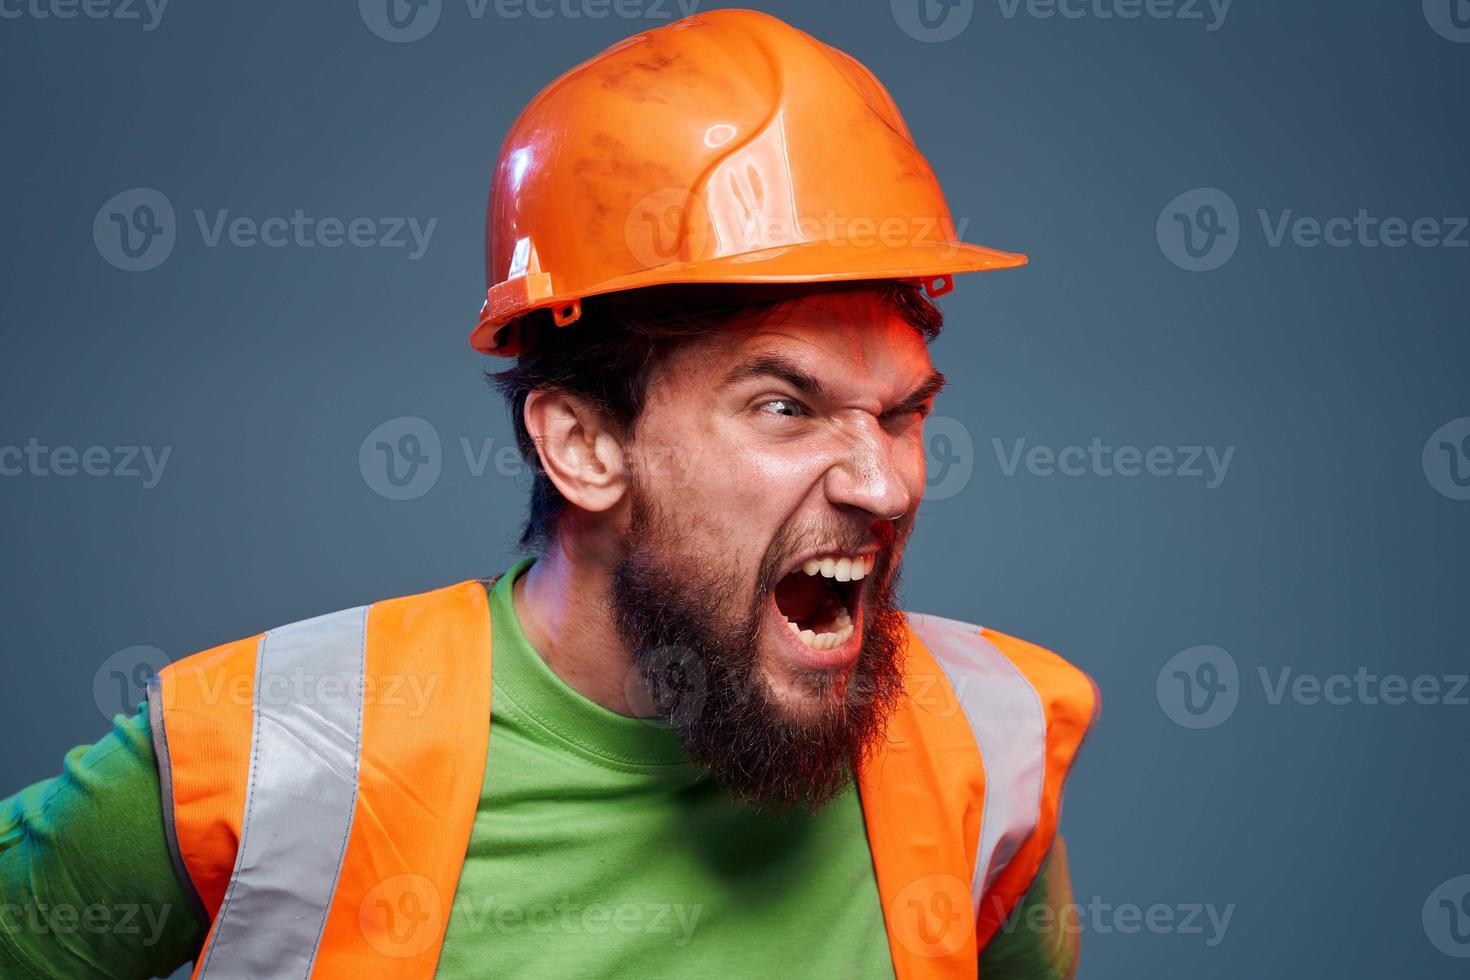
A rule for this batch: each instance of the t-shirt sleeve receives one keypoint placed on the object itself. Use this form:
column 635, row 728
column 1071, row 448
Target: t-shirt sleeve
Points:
column 1040, row 940
column 87, row 886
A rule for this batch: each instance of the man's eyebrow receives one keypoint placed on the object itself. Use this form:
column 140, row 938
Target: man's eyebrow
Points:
column 915, row 399
column 774, row 365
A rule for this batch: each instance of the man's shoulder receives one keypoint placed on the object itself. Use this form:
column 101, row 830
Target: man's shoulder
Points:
column 416, row 612
column 957, row 635
column 987, row 660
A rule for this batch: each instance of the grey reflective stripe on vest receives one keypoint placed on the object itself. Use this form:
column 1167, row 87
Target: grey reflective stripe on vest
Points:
column 302, row 790
column 1006, row 715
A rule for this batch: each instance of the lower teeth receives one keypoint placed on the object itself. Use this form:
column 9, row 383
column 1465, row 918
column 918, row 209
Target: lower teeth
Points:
column 841, row 629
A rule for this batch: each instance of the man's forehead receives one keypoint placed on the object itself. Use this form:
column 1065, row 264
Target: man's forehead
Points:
column 853, row 331
column 871, row 345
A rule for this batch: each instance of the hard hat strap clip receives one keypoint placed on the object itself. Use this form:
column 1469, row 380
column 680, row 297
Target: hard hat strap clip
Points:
column 565, row 314
column 938, row 285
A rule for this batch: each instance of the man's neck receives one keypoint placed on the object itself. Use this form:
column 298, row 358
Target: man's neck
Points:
column 562, row 608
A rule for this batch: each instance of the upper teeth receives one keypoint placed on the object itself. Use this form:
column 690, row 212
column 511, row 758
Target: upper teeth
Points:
column 843, row 568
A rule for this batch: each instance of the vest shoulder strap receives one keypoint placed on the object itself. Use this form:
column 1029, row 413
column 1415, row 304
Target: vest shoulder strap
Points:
column 320, row 783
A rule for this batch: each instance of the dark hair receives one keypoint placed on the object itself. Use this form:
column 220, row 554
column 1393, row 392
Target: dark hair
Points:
column 611, row 353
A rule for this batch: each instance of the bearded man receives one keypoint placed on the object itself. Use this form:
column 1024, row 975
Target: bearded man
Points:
column 691, row 734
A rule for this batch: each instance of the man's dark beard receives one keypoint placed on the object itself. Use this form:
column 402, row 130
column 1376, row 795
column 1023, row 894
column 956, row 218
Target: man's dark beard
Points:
column 703, row 674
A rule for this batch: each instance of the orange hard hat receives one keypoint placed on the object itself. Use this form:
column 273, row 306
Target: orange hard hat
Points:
column 727, row 147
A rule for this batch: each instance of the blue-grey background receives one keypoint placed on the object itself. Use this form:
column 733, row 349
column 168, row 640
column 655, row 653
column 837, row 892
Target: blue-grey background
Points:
column 1333, row 543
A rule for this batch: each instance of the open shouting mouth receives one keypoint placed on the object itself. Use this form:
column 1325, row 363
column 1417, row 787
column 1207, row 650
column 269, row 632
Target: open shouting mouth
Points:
column 819, row 610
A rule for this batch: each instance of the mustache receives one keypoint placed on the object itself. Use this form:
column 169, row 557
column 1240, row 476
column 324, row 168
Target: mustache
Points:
column 834, row 537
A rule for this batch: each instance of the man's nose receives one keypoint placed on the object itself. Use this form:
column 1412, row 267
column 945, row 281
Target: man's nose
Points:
column 869, row 473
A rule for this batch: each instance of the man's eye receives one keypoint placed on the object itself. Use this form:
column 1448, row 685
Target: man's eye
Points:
column 783, row 406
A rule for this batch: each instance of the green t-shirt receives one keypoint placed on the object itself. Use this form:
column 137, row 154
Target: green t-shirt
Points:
column 597, row 851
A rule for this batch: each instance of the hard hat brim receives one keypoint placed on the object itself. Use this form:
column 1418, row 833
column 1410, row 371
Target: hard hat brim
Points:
column 819, row 261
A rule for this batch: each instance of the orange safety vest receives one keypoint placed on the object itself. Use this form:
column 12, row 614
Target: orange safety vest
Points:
column 321, row 816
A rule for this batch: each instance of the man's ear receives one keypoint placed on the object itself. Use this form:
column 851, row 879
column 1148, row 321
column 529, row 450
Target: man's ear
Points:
column 581, row 455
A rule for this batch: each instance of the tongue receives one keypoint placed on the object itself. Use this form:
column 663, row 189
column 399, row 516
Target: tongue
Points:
column 800, row 596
